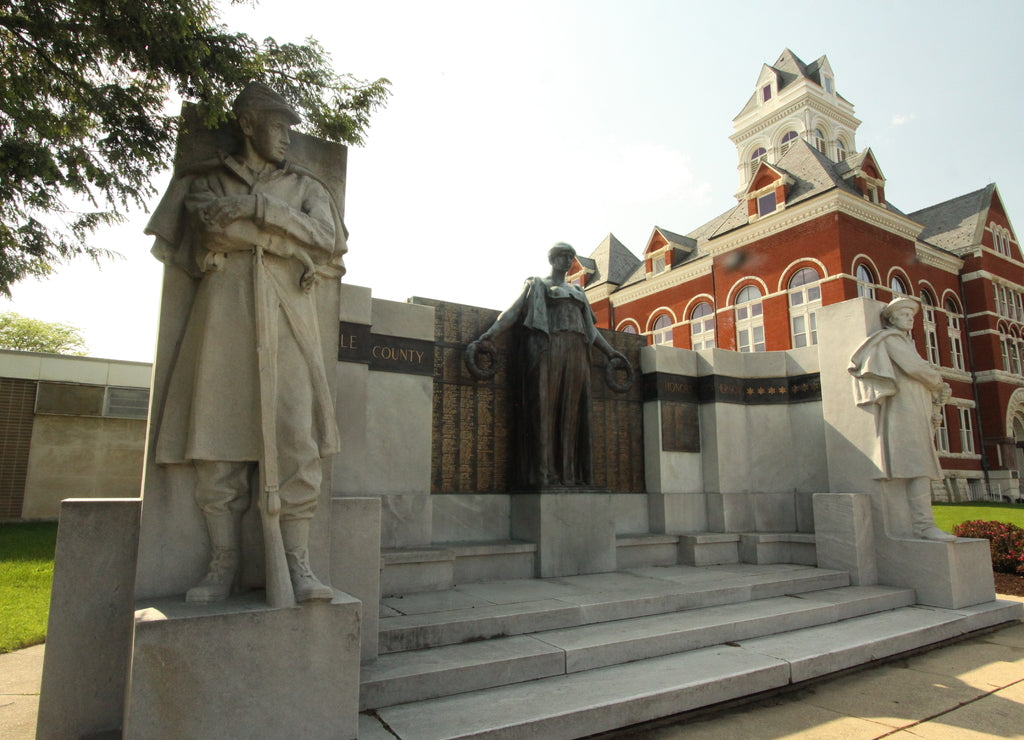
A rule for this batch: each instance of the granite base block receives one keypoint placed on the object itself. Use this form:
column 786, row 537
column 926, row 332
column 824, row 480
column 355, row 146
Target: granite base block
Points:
column 949, row 575
column 242, row 669
column 89, row 633
column 574, row 532
column 845, row 536
column 355, row 559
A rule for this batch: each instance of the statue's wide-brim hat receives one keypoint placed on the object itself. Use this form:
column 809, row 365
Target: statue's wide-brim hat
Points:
column 900, row 302
column 259, row 98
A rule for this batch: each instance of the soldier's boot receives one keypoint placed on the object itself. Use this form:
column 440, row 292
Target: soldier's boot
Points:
column 307, row 587
column 922, row 519
column 222, row 575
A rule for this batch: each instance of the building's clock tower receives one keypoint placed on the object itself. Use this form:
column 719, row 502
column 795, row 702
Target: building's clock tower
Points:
column 793, row 100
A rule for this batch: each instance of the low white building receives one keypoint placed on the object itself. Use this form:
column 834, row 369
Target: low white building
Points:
column 69, row 427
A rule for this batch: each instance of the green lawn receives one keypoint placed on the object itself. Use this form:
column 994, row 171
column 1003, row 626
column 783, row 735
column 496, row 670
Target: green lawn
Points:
column 949, row 515
column 26, row 572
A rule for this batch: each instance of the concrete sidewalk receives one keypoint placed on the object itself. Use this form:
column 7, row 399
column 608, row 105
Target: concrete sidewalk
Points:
column 970, row 689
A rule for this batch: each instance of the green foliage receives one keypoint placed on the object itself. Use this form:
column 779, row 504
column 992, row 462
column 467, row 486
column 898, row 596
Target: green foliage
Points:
column 1006, row 543
column 84, row 123
column 33, row 335
column 26, row 574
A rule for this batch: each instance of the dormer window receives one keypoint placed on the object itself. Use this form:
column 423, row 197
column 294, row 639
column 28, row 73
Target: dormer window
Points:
column 766, row 192
column 766, row 93
column 828, row 85
column 658, row 264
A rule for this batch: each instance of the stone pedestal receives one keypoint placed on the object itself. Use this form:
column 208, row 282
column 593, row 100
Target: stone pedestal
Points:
column 89, row 633
column 574, row 532
column 949, row 575
column 844, row 538
column 355, row 560
column 242, row 669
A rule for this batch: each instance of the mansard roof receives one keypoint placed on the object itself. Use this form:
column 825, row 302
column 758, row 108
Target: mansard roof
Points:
column 958, row 223
column 611, row 262
column 790, row 67
column 811, row 173
column 787, row 69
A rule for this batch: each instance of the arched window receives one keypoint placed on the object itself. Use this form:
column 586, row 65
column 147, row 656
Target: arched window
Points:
column 661, row 330
column 931, row 339
column 819, row 140
column 1011, row 351
column 755, row 158
column 865, row 281
column 1001, row 240
column 787, row 141
column 749, row 320
column 804, row 300
column 956, row 345
column 628, row 329
column 702, row 326
column 897, row 286
column 841, row 150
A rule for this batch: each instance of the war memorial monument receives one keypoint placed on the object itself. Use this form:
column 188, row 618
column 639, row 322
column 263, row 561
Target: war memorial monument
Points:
column 364, row 518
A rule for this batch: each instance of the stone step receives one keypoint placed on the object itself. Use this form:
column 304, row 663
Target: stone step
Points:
column 578, row 704
column 440, row 567
column 422, row 674
column 638, row 550
column 478, row 611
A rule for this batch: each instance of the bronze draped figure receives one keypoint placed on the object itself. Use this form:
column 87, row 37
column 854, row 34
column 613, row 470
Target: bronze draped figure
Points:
column 554, row 330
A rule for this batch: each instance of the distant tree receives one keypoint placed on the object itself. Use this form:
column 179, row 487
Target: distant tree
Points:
column 33, row 335
column 84, row 115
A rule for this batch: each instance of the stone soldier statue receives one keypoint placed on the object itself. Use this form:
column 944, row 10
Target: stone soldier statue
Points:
column 248, row 393
column 903, row 389
column 555, row 330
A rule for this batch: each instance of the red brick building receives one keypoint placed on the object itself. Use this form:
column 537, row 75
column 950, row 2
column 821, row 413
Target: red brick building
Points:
column 813, row 227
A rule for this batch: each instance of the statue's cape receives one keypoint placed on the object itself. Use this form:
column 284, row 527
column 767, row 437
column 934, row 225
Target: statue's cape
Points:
column 174, row 242
column 537, row 307
column 874, row 376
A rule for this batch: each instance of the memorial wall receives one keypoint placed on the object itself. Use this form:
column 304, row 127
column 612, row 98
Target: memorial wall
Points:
column 472, row 419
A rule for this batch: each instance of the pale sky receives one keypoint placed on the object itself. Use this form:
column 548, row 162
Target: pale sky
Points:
column 515, row 125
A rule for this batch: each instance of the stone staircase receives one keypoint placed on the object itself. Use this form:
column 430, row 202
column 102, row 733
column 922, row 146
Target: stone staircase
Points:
column 574, row 656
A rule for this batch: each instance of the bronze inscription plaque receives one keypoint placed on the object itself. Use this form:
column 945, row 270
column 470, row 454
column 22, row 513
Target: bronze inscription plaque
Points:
column 356, row 343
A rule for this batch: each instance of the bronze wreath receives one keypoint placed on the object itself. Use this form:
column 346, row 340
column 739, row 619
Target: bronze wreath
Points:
column 486, row 347
column 611, row 377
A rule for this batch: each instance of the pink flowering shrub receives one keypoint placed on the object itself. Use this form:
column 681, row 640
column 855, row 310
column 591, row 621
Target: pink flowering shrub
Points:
column 1006, row 542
